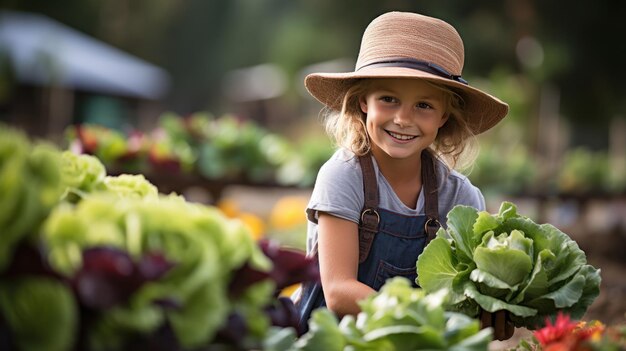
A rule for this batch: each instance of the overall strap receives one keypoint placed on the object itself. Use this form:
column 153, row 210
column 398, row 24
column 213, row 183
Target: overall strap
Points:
column 431, row 195
column 368, row 226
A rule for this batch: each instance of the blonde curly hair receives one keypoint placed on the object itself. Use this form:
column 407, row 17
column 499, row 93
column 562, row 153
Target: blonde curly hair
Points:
column 455, row 143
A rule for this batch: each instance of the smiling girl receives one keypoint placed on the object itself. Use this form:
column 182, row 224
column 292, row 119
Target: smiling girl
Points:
column 402, row 120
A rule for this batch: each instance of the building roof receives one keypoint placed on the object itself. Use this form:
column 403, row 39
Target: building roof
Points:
column 44, row 52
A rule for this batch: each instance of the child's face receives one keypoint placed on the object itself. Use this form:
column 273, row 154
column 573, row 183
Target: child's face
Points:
column 403, row 116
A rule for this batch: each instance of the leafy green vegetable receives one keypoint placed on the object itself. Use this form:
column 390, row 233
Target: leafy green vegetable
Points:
column 205, row 247
column 30, row 184
column 232, row 150
column 399, row 317
column 324, row 333
column 85, row 174
column 508, row 262
column 81, row 172
column 130, row 185
column 41, row 313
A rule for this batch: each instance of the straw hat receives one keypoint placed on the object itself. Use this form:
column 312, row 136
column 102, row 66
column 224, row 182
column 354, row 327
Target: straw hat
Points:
column 409, row 45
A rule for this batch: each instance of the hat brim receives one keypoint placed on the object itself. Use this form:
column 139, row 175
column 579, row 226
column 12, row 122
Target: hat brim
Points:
column 481, row 110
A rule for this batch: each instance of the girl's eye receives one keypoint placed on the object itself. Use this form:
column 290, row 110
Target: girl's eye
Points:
column 387, row 99
column 424, row 105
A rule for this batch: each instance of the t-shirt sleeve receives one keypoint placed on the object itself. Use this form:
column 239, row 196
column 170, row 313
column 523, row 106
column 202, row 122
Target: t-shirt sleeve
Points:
column 470, row 195
column 456, row 189
column 338, row 190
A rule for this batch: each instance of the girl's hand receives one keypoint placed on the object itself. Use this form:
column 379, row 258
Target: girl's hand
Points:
column 503, row 329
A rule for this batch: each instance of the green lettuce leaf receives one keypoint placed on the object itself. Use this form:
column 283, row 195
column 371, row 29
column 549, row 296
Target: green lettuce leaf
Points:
column 41, row 313
column 492, row 304
column 323, row 334
column 461, row 221
column 441, row 272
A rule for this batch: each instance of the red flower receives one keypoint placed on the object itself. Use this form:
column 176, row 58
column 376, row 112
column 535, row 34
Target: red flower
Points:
column 558, row 346
column 566, row 335
column 551, row 334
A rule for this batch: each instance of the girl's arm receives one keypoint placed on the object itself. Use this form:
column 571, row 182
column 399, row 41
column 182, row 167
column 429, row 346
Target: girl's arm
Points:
column 338, row 250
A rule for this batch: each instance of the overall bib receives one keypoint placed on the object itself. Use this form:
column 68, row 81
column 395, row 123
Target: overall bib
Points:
column 399, row 239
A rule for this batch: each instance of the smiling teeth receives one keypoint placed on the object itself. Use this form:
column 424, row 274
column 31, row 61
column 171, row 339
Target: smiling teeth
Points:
column 401, row 136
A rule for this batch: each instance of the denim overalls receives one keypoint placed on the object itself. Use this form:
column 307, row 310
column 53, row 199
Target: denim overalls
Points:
column 397, row 239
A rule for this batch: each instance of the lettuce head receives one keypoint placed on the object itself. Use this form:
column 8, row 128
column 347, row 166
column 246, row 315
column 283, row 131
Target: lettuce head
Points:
column 508, row 262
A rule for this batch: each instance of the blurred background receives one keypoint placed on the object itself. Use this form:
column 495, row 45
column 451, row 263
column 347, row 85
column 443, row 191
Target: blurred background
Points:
column 206, row 98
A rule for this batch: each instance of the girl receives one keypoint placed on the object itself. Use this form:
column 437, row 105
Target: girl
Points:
column 398, row 118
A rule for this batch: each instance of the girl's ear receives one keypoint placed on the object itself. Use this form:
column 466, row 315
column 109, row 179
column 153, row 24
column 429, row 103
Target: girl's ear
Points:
column 444, row 119
column 363, row 104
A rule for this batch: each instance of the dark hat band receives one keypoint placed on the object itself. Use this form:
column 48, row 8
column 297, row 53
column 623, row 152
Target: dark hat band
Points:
column 424, row 66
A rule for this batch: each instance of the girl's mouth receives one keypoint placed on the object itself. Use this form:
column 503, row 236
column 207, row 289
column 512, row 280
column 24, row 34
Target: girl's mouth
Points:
column 402, row 137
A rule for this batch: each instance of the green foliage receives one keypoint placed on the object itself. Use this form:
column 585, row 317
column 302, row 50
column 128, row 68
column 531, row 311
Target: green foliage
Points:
column 302, row 166
column 507, row 262
column 41, row 313
column 505, row 163
column 103, row 142
column 233, row 151
column 505, row 166
column 398, row 317
column 224, row 148
column 85, row 174
column 584, row 171
column 30, row 184
column 130, row 185
column 81, row 173
column 504, row 169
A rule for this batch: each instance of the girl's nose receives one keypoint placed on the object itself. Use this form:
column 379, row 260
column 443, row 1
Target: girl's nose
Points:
column 402, row 117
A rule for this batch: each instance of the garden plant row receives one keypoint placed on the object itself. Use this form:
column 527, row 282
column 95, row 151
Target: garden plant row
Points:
column 223, row 150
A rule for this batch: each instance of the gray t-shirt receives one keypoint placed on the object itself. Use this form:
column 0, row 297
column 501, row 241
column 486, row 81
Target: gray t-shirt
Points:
column 339, row 191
